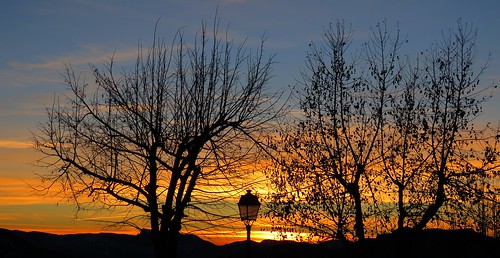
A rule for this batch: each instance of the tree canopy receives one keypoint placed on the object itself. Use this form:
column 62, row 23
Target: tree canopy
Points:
column 387, row 141
column 172, row 136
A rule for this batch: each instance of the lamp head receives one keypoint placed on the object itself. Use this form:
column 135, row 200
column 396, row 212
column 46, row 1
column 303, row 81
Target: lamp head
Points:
column 249, row 207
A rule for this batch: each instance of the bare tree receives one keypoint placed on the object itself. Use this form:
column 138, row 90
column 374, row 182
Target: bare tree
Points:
column 338, row 136
column 453, row 101
column 435, row 155
column 403, row 147
column 386, row 139
column 163, row 136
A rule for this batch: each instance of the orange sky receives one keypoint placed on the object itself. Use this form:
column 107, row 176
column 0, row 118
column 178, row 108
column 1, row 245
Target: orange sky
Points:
column 22, row 208
column 39, row 38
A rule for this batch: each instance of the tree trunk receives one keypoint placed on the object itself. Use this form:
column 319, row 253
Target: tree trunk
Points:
column 340, row 232
column 159, row 244
column 172, row 245
column 401, row 207
column 433, row 207
column 359, row 226
column 166, row 241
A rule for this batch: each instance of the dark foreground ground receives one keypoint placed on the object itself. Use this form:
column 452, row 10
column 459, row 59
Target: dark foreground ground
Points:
column 429, row 243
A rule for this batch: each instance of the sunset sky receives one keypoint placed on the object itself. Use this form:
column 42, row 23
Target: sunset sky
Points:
column 38, row 38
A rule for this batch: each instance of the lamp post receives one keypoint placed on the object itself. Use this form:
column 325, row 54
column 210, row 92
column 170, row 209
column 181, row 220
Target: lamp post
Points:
column 249, row 208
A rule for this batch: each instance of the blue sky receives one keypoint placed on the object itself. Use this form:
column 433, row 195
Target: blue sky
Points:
column 39, row 37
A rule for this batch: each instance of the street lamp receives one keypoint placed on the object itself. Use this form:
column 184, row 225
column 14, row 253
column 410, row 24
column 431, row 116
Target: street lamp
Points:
column 249, row 208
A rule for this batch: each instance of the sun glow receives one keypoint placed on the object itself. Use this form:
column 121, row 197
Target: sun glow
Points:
column 222, row 237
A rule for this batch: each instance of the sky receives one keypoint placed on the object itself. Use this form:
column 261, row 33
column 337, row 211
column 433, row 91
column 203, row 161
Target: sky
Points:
column 39, row 38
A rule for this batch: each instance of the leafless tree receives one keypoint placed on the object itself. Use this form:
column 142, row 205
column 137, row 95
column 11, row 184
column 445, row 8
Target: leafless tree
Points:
column 387, row 141
column 337, row 138
column 435, row 155
column 164, row 136
column 456, row 157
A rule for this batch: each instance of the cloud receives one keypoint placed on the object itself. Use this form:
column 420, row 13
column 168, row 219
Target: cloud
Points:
column 47, row 70
column 16, row 78
column 9, row 144
column 19, row 191
column 50, row 218
column 88, row 54
column 15, row 191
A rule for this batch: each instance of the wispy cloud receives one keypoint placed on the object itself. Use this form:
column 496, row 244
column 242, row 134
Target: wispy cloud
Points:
column 10, row 144
column 88, row 54
column 15, row 191
column 47, row 70
column 19, row 191
column 50, row 218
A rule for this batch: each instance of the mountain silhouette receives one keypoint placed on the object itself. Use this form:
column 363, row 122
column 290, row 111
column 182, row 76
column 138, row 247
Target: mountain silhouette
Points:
column 406, row 243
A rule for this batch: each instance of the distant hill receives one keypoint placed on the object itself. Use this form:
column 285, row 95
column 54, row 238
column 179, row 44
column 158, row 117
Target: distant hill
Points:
column 20, row 244
column 408, row 244
column 431, row 243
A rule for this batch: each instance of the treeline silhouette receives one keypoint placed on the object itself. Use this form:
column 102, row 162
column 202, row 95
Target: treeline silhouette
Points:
column 427, row 243
column 385, row 140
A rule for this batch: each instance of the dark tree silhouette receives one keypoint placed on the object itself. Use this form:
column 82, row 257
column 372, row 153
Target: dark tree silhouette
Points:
column 328, row 158
column 435, row 154
column 453, row 99
column 166, row 137
column 383, row 141
column 401, row 153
